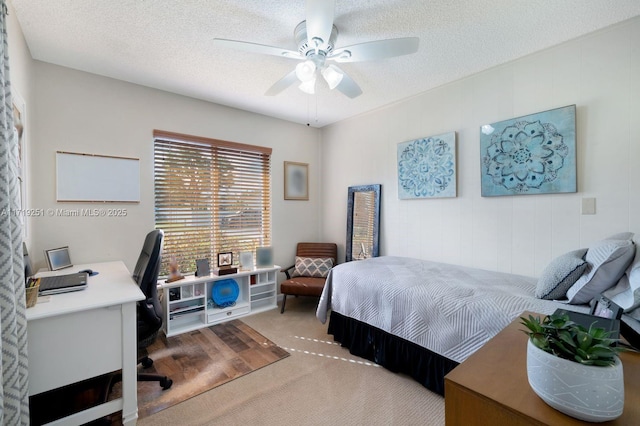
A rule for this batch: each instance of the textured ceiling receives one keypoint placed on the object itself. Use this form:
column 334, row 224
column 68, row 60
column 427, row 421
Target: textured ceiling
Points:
column 167, row 44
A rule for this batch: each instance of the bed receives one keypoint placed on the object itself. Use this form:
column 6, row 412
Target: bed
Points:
column 423, row 318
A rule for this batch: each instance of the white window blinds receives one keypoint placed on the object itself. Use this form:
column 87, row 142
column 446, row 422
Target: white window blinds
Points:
column 211, row 197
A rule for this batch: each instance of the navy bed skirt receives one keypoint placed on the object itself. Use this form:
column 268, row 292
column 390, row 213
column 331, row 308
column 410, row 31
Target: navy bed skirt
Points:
column 393, row 353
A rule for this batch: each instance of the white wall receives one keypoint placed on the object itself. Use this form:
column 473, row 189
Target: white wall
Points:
column 599, row 73
column 75, row 111
column 80, row 112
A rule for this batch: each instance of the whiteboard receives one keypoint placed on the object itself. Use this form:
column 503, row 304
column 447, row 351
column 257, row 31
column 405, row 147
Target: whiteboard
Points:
column 97, row 178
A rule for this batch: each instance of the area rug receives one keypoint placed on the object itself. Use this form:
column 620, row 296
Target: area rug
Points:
column 202, row 360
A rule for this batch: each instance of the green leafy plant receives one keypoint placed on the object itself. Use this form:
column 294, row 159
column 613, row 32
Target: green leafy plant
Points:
column 558, row 335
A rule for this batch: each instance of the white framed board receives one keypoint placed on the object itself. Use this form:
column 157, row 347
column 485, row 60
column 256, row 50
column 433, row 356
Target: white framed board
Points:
column 97, row 178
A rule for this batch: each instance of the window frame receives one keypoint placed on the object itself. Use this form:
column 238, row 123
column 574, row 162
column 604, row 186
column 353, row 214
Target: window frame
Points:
column 227, row 231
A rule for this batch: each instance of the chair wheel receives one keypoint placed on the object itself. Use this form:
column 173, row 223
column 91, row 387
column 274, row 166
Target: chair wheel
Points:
column 166, row 383
column 147, row 362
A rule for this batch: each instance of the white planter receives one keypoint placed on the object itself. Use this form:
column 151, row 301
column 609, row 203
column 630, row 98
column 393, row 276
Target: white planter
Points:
column 586, row 392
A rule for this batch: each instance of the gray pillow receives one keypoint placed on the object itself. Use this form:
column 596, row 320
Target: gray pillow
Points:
column 607, row 261
column 560, row 274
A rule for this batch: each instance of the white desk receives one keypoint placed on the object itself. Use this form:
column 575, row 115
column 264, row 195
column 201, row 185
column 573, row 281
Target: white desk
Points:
column 83, row 334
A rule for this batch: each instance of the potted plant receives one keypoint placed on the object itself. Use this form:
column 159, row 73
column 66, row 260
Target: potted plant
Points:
column 574, row 369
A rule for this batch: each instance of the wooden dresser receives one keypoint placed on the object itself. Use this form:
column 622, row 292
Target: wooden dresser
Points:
column 491, row 387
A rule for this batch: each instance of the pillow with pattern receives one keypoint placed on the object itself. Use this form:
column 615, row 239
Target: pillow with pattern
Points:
column 312, row 267
column 560, row 274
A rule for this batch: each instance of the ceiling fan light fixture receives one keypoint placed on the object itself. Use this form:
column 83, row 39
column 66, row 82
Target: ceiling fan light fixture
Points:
column 308, row 87
column 332, row 76
column 306, row 70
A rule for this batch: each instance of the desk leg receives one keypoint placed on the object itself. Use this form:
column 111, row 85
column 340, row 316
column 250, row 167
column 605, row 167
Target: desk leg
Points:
column 129, row 363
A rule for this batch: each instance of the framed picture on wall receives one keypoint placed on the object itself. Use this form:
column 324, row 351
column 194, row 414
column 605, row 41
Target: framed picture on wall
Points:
column 427, row 167
column 532, row 154
column 296, row 181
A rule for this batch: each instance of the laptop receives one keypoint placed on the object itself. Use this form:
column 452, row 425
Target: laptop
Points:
column 63, row 283
column 57, row 283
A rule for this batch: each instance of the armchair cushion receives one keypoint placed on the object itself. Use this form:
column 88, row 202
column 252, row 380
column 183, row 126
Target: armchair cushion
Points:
column 303, row 286
column 312, row 267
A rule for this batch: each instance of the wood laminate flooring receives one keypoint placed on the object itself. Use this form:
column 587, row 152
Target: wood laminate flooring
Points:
column 196, row 362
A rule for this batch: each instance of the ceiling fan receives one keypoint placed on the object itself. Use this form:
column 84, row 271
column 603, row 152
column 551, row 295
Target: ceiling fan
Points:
column 316, row 38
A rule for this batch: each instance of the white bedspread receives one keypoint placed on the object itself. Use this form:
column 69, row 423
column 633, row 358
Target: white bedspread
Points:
column 448, row 309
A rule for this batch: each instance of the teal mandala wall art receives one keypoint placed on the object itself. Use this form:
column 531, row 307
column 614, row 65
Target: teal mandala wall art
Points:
column 533, row 154
column 427, row 167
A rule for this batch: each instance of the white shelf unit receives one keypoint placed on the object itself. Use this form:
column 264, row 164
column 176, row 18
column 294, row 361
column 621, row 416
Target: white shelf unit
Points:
column 187, row 305
column 264, row 292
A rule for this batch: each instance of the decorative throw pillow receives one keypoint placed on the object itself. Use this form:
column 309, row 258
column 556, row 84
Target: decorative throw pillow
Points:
column 312, row 267
column 560, row 274
column 627, row 293
column 608, row 259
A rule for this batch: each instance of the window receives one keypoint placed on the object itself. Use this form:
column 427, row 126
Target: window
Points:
column 211, row 196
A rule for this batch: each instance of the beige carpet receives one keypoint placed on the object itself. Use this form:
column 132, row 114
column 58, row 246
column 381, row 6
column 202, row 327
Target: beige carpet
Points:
column 321, row 383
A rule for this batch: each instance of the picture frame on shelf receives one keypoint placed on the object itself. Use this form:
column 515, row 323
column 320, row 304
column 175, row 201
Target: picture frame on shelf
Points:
column 202, row 267
column 225, row 259
column 264, row 257
column 246, row 260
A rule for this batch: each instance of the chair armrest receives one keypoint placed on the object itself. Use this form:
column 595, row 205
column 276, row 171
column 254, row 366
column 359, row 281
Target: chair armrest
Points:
column 286, row 271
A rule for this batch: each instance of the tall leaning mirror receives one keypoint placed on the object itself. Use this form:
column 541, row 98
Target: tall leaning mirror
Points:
column 363, row 221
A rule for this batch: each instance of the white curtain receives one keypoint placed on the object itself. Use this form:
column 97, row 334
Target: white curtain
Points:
column 14, row 395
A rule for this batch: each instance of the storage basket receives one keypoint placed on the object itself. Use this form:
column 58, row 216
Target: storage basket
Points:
column 32, row 292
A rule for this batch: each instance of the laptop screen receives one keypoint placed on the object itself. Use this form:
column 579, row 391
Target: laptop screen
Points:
column 58, row 258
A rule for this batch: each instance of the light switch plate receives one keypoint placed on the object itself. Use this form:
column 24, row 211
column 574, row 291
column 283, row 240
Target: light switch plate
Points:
column 588, row 206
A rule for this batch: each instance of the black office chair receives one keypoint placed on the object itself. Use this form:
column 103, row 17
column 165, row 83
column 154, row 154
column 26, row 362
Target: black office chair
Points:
column 148, row 310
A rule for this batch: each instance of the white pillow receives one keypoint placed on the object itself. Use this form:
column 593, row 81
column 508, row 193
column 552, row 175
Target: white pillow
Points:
column 607, row 261
column 627, row 293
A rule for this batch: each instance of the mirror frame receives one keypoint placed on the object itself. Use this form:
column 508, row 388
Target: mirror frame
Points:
column 376, row 189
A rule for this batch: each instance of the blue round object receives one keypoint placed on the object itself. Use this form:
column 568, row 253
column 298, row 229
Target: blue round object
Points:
column 225, row 292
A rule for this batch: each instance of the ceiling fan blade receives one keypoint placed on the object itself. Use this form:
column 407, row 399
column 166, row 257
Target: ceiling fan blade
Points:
column 373, row 50
column 348, row 86
column 257, row 48
column 319, row 15
column 282, row 84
